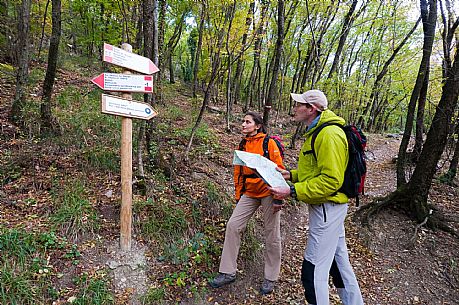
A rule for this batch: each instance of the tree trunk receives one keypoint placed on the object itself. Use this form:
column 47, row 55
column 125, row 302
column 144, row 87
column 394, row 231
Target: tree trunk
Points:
column 255, row 75
column 376, row 86
column 43, row 29
column 240, row 61
column 49, row 122
column 212, row 80
column 419, row 139
column 161, row 34
column 451, row 174
column 145, row 135
column 229, row 100
column 413, row 196
column 347, row 24
column 429, row 20
column 272, row 93
column 198, row 49
column 172, row 43
column 22, row 52
column 421, row 180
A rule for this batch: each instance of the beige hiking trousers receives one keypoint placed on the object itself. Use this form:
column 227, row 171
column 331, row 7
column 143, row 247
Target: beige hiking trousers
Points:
column 236, row 225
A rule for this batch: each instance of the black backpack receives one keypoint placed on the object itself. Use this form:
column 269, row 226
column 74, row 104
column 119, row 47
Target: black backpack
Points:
column 354, row 176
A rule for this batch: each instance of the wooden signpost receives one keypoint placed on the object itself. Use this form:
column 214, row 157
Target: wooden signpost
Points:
column 127, row 109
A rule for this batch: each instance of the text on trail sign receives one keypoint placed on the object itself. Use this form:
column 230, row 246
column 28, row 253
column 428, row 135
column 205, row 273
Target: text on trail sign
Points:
column 128, row 60
column 124, row 82
column 127, row 108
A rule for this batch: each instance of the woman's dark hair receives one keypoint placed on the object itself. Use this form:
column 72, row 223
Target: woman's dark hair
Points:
column 258, row 119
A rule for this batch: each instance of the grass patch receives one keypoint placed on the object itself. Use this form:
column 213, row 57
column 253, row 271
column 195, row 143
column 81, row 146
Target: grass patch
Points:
column 164, row 221
column 25, row 273
column 74, row 214
column 93, row 290
column 102, row 158
column 154, row 295
column 83, row 121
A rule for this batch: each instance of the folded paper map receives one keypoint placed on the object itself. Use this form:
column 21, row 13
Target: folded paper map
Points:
column 264, row 167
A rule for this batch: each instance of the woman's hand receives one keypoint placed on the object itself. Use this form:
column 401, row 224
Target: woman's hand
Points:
column 285, row 173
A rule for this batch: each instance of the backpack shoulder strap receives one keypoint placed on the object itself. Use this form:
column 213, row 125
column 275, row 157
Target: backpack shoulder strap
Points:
column 265, row 146
column 316, row 132
column 242, row 144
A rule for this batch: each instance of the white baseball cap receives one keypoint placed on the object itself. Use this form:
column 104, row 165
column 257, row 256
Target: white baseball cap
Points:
column 313, row 97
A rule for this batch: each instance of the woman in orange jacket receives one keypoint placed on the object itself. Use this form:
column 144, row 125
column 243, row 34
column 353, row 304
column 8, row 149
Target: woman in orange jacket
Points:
column 251, row 193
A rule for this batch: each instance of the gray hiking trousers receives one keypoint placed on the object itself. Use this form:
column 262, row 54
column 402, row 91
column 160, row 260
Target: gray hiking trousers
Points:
column 326, row 253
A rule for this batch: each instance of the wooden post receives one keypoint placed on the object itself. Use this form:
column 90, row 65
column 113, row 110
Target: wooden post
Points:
column 126, row 173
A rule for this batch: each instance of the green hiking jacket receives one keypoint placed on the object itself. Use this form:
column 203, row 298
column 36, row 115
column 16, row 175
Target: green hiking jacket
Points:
column 317, row 181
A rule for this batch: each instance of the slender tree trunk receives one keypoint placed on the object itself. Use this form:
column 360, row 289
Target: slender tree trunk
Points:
column 377, row 84
column 272, row 93
column 145, row 135
column 429, row 17
column 419, row 140
column 22, row 51
column 213, row 78
column 172, row 44
column 240, row 61
column 43, row 29
column 198, row 49
column 255, row 75
column 347, row 24
column 161, row 33
column 229, row 100
column 49, row 122
column 451, row 174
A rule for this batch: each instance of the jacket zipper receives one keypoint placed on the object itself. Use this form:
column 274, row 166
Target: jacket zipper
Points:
column 325, row 213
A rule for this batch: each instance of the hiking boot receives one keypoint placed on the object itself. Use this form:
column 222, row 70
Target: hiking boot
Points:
column 267, row 287
column 222, row 279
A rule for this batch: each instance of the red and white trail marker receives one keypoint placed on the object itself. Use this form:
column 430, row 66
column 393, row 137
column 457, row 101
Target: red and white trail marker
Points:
column 128, row 60
column 124, row 82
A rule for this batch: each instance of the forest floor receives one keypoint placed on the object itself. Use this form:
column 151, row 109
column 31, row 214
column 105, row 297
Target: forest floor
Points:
column 392, row 263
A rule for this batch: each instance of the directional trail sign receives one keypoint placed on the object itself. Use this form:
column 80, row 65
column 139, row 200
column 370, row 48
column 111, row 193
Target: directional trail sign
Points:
column 128, row 60
column 126, row 108
column 124, row 82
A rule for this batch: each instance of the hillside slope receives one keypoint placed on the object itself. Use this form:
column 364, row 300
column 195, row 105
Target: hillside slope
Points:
column 179, row 217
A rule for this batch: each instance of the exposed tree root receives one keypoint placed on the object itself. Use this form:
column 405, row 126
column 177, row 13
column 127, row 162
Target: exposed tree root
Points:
column 398, row 199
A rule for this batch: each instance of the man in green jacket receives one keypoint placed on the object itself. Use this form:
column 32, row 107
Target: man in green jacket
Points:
column 316, row 181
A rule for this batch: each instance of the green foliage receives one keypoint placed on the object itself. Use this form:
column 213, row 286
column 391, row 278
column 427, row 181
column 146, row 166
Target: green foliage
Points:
column 448, row 178
column 16, row 288
column 251, row 244
column 194, row 251
column 9, row 170
column 102, row 158
column 176, row 279
column 165, row 221
column 154, row 295
column 174, row 112
column 74, row 213
column 25, row 273
column 93, row 290
column 218, row 200
column 83, row 121
column 19, row 245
